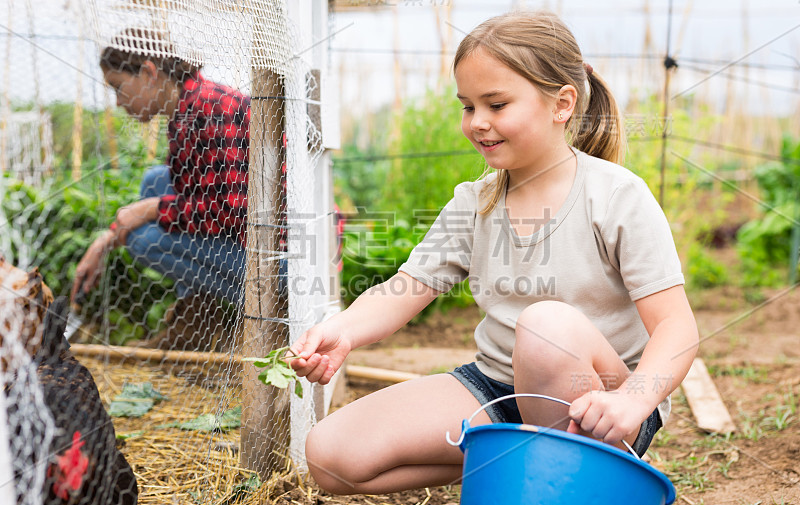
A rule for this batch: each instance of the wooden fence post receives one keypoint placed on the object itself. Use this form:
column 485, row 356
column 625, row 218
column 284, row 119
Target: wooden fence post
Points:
column 265, row 410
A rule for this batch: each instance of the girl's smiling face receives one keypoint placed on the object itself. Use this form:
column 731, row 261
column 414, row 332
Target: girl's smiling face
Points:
column 508, row 120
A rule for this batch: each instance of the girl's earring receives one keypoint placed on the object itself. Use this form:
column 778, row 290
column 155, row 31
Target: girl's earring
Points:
column 560, row 116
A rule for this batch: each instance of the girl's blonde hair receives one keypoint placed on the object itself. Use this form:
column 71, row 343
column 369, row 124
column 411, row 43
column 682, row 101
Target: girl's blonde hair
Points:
column 540, row 47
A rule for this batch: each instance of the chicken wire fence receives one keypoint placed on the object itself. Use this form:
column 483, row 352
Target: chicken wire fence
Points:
column 164, row 168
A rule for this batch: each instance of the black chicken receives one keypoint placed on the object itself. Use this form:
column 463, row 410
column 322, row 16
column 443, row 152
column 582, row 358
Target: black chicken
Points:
column 84, row 467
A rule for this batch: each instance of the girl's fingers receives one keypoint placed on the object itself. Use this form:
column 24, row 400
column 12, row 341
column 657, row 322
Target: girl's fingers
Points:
column 317, row 373
column 295, row 348
column 303, row 367
column 578, row 408
column 573, row 427
column 584, row 413
column 328, row 375
column 601, row 429
column 307, row 344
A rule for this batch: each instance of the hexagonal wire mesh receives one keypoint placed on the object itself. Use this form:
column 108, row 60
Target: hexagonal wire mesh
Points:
column 192, row 226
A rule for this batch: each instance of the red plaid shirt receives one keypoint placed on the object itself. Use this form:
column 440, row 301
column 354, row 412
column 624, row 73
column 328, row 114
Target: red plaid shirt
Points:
column 208, row 158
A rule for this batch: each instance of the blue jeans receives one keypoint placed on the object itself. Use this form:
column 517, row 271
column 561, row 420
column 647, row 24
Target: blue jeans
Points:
column 195, row 262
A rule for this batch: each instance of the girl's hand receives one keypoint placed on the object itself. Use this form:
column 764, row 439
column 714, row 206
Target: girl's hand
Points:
column 89, row 268
column 609, row 416
column 321, row 351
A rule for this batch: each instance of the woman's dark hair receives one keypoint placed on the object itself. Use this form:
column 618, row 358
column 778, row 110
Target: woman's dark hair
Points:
column 132, row 47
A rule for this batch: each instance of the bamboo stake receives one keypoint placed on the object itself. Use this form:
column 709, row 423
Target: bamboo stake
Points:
column 217, row 358
column 77, row 112
column 5, row 105
column 746, row 126
column 153, row 127
column 380, row 374
column 443, row 31
column 664, row 133
column 111, row 135
column 144, row 354
column 397, row 103
column 37, row 101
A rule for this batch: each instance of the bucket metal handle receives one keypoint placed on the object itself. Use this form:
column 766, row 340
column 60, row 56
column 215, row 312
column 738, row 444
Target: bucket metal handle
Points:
column 465, row 424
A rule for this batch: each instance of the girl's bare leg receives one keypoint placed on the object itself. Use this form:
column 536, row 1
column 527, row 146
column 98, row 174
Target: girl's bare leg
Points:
column 560, row 353
column 393, row 439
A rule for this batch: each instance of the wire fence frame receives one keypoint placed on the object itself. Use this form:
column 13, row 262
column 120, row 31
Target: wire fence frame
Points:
column 299, row 61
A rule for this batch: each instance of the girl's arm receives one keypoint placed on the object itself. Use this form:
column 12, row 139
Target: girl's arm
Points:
column 377, row 313
column 672, row 347
column 612, row 415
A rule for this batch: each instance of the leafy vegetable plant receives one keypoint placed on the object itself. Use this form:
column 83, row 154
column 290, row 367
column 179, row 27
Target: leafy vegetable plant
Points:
column 768, row 243
column 278, row 372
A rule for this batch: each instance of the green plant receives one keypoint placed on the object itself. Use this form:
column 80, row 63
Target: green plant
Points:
column 712, row 441
column 781, row 420
column 765, row 244
column 790, row 400
column 751, row 426
column 360, row 170
column 749, row 373
column 683, row 181
column 51, row 226
column 663, row 438
column 703, row 271
column 417, row 188
column 690, row 472
column 397, row 199
column 277, row 371
column 725, row 466
column 374, row 248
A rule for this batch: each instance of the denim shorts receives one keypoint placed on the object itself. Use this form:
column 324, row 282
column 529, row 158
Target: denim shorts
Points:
column 485, row 389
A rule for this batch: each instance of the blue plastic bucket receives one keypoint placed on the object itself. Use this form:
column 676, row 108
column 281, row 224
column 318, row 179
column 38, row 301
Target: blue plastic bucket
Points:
column 510, row 464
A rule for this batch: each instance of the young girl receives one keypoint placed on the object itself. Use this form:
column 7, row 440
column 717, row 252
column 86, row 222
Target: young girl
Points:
column 566, row 252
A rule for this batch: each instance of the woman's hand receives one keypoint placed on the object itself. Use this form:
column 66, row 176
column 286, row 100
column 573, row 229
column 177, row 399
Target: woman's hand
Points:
column 609, row 416
column 321, row 351
column 87, row 274
column 135, row 215
column 129, row 217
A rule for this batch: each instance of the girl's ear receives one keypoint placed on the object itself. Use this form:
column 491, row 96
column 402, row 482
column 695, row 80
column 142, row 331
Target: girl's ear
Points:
column 566, row 100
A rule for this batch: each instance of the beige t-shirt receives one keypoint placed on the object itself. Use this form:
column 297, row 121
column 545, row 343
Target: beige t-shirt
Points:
column 607, row 246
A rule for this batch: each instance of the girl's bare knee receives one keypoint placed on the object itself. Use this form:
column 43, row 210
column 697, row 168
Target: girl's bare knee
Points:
column 322, row 461
column 547, row 334
column 334, row 470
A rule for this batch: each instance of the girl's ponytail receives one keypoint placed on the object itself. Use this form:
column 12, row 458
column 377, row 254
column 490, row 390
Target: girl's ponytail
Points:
column 600, row 131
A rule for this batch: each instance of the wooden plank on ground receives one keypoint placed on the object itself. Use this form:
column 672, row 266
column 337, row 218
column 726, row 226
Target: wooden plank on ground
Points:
column 705, row 401
column 380, row 374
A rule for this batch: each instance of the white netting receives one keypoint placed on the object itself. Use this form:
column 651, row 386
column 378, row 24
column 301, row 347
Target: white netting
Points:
column 27, row 425
column 220, row 188
column 28, row 142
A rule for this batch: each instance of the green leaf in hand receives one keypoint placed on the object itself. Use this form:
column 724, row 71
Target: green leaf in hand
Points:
column 278, row 373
